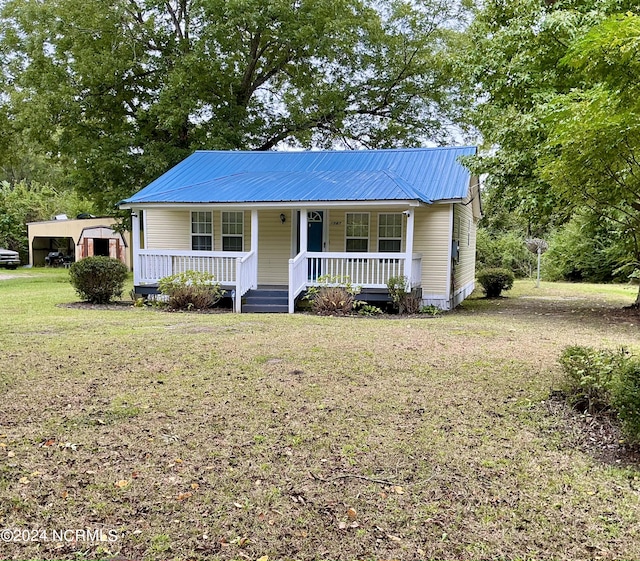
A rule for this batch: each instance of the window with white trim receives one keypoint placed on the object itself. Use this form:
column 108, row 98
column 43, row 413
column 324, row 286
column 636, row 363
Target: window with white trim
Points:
column 201, row 231
column 390, row 233
column 232, row 231
column 357, row 231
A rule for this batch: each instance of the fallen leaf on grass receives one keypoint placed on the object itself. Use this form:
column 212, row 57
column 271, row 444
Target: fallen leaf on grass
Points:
column 195, row 486
column 394, row 538
column 183, row 496
column 24, row 480
column 263, row 558
column 3, row 445
column 11, row 454
column 352, row 514
column 397, row 489
column 122, row 483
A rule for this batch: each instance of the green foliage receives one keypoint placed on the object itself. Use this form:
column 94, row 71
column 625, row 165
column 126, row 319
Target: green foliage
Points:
column 365, row 309
column 600, row 379
column 559, row 88
column 98, row 279
column 122, row 90
column 586, row 250
column 191, row 290
column 404, row 302
column 430, row 310
column 589, row 375
column 625, row 398
column 495, row 280
column 506, row 250
column 30, row 202
column 334, row 295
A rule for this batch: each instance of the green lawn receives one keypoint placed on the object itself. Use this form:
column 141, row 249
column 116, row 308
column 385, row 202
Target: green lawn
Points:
column 224, row 436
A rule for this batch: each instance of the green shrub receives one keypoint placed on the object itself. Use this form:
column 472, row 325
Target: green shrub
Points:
column 334, row 295
column 366, row 309
column 405, row 302
column 98, row 279
column 590, row 376
column 625, row 398
column 430, row 310
column 191, row 290
column 494, row 281
column 506, row 250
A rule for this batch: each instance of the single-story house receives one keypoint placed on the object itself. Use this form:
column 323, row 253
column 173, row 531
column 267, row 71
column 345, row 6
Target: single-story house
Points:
column 78, row 238
column 269, row 225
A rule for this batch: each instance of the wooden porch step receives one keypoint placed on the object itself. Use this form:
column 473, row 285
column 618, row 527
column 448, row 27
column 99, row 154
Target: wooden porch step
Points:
column 269, row 301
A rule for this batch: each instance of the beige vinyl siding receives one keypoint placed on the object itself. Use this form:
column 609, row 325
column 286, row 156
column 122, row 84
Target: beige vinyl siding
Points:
column 337, row 224
column 168, row 229
column 432, row 238
column 274, row 247
column 171, row 229
column 465, row 232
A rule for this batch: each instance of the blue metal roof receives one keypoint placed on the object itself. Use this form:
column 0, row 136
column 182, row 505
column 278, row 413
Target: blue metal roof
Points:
column 423, row 174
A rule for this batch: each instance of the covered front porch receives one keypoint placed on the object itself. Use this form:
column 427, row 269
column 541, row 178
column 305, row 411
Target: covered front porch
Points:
column 305, row 262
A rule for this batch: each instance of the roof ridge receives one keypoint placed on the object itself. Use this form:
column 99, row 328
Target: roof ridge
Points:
column 336, row 151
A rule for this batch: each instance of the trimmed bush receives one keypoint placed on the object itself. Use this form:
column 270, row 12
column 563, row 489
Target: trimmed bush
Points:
column 191, row 290
column 98, row 279
column 494, row 281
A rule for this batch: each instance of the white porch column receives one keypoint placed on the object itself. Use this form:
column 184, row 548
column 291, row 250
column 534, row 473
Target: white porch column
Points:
column 135, row 238
column 304, row 229
column 254, row 245
column 409, row 247
column 254, row 230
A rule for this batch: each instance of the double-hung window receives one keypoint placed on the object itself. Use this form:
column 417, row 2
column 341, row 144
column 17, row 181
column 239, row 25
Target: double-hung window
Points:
column 390, row 233
column 357, row 233
column 201, row 231
column 232, row 231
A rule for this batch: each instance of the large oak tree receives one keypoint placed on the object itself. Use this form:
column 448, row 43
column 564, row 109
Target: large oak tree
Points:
column 120, row 90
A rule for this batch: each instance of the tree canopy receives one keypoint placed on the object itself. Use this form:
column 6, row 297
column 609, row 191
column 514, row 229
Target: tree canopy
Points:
column 557, row 90
column 118, row 91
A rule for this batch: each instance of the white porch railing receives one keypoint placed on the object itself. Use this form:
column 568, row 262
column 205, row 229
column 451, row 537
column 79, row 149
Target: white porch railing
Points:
column 367, row 270
column 246, row 277
column 230, row 268
column 298, row 278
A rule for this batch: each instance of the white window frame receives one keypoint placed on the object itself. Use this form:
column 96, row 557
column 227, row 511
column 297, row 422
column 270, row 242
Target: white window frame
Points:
column 201, row 228
column 346, row 231
column 392, row 238
column 224, row 223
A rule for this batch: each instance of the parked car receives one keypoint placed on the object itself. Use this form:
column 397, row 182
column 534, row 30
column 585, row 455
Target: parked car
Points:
column 9, row 259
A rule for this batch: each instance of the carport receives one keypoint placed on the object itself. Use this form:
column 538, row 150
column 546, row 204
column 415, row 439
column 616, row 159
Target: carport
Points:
column 78, row 238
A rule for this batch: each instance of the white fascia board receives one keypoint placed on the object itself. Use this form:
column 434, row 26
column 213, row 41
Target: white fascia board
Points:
column 280, row 205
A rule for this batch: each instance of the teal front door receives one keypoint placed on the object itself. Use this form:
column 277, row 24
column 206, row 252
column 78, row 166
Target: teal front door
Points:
column 314, row 237
column 315, row 221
